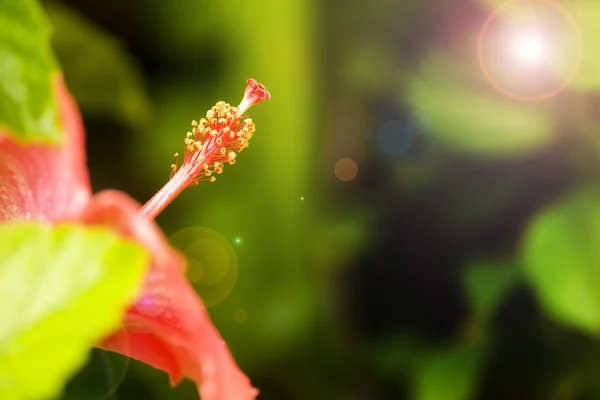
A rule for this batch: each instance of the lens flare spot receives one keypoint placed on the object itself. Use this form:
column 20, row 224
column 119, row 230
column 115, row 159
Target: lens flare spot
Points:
column 345, row 169
column 530, row 50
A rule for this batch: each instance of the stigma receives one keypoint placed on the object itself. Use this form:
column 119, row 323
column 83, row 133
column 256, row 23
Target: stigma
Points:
column 213, row 141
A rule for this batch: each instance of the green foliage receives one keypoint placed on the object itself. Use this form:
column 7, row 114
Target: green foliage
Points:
column 61, row 289
column 587, row 17
column 450, row 373
column 562, row 261
column 28, row 109
column 465, row 119
column 113, row 88
column 488, row 283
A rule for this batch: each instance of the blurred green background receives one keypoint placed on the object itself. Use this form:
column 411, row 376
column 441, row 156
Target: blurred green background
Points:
column 418, row 215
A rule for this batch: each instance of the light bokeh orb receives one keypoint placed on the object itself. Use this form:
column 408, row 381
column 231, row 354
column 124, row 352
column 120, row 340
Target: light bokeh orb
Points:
column 345, row 169
column 394, row 138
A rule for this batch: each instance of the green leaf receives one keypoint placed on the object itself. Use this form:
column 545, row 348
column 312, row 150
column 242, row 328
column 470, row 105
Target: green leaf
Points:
column 466, row 120
column 28, row 109
column 562, row 261
column 61, row 290
column 102, row 75
column 487, row 284
column 449, row 374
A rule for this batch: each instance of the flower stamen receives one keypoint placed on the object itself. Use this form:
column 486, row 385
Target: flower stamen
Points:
column 213, row 141
column 174, row 166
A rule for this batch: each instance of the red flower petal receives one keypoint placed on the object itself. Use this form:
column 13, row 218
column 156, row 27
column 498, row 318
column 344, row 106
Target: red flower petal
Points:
column 46, row 182
column 169, row 327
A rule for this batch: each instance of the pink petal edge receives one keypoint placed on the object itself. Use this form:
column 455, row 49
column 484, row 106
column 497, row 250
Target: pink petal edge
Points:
column 168, row 327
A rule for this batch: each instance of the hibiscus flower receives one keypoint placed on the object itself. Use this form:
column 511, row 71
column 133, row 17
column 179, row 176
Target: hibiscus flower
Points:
column 168, row 326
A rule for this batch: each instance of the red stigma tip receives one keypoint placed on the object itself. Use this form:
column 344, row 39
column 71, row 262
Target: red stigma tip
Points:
column 256, row 90
column 254, row 94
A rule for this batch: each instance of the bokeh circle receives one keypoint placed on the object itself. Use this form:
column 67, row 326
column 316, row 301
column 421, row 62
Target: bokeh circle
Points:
column 394, row 138
column 345, row 169
column 212, row 265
